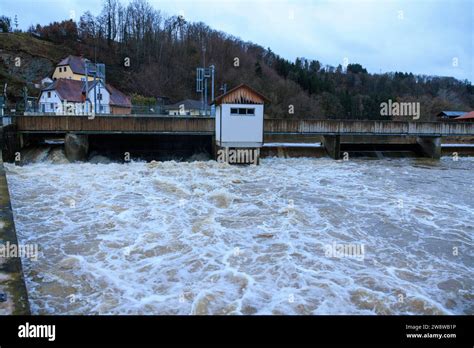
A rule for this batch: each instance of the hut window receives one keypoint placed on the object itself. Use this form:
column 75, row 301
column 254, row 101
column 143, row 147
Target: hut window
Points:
column 242, row 111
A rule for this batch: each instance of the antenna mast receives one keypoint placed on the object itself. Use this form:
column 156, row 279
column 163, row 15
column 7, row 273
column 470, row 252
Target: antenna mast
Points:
column 203, row 74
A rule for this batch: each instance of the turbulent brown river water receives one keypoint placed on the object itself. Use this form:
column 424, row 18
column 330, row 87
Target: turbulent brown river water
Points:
column 207, row 238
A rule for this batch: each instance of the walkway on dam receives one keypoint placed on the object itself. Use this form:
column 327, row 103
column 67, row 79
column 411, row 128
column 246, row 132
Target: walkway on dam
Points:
column 197, row 125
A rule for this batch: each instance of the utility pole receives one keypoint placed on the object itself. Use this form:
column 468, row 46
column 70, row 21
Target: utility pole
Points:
column 87, row 86
column 223, row 88
column 25, row 97
column 203, row 74
column 213, row 107
column 204, row 95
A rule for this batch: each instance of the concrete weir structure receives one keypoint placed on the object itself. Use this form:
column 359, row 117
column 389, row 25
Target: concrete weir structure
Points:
column 332, row 144
column 244, row 111
column 430, row 146
column 76, row 147
column 428, row 134
column 13, row 293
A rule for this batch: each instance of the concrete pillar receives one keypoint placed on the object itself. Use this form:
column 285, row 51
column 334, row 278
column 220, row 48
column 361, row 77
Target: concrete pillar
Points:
column 10, row 143
column 430, row 146
column 213, row 147
column 281, row 152
column 22, row 141
column 76, row 147
column 332, row 144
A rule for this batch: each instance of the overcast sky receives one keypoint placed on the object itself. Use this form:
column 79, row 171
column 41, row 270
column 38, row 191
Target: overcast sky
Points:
column 432, row 37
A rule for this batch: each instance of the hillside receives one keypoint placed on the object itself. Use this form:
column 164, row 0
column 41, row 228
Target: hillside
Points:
column 164, row 52
column 37, row 59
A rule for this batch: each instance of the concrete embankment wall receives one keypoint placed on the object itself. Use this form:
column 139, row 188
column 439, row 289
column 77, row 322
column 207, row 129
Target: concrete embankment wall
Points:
column 13, row 294
column 359, row 145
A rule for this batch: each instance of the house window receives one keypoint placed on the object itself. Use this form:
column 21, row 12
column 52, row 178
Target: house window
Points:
column 99, row 96
column 51, row 106
column 242, row 111
column 49, row 94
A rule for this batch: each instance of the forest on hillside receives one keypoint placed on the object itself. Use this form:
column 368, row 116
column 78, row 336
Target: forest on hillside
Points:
column 151, row 54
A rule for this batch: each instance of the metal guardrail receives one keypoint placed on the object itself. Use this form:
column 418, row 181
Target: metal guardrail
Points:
column 43, row 108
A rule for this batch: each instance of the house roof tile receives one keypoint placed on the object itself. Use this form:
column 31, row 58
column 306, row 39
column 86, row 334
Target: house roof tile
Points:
column 468, row 115
column 77, row 64
column 189, row 104
column 118, row 98
column 451, row 113
column 73, row 91
column 70, row 90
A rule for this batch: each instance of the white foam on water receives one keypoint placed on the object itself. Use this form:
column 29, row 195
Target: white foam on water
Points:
column 211, row 238
column 457, row 145
column 292, row 144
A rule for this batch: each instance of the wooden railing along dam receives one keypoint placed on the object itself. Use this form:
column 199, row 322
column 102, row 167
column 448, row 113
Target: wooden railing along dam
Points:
column 115, row 124
column 349, row 127
column 139, row 124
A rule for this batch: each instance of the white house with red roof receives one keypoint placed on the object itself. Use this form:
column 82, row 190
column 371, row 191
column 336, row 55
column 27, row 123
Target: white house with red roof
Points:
column 65, row 96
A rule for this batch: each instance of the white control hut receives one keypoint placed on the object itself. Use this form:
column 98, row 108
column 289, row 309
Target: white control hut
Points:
column 239, row 118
